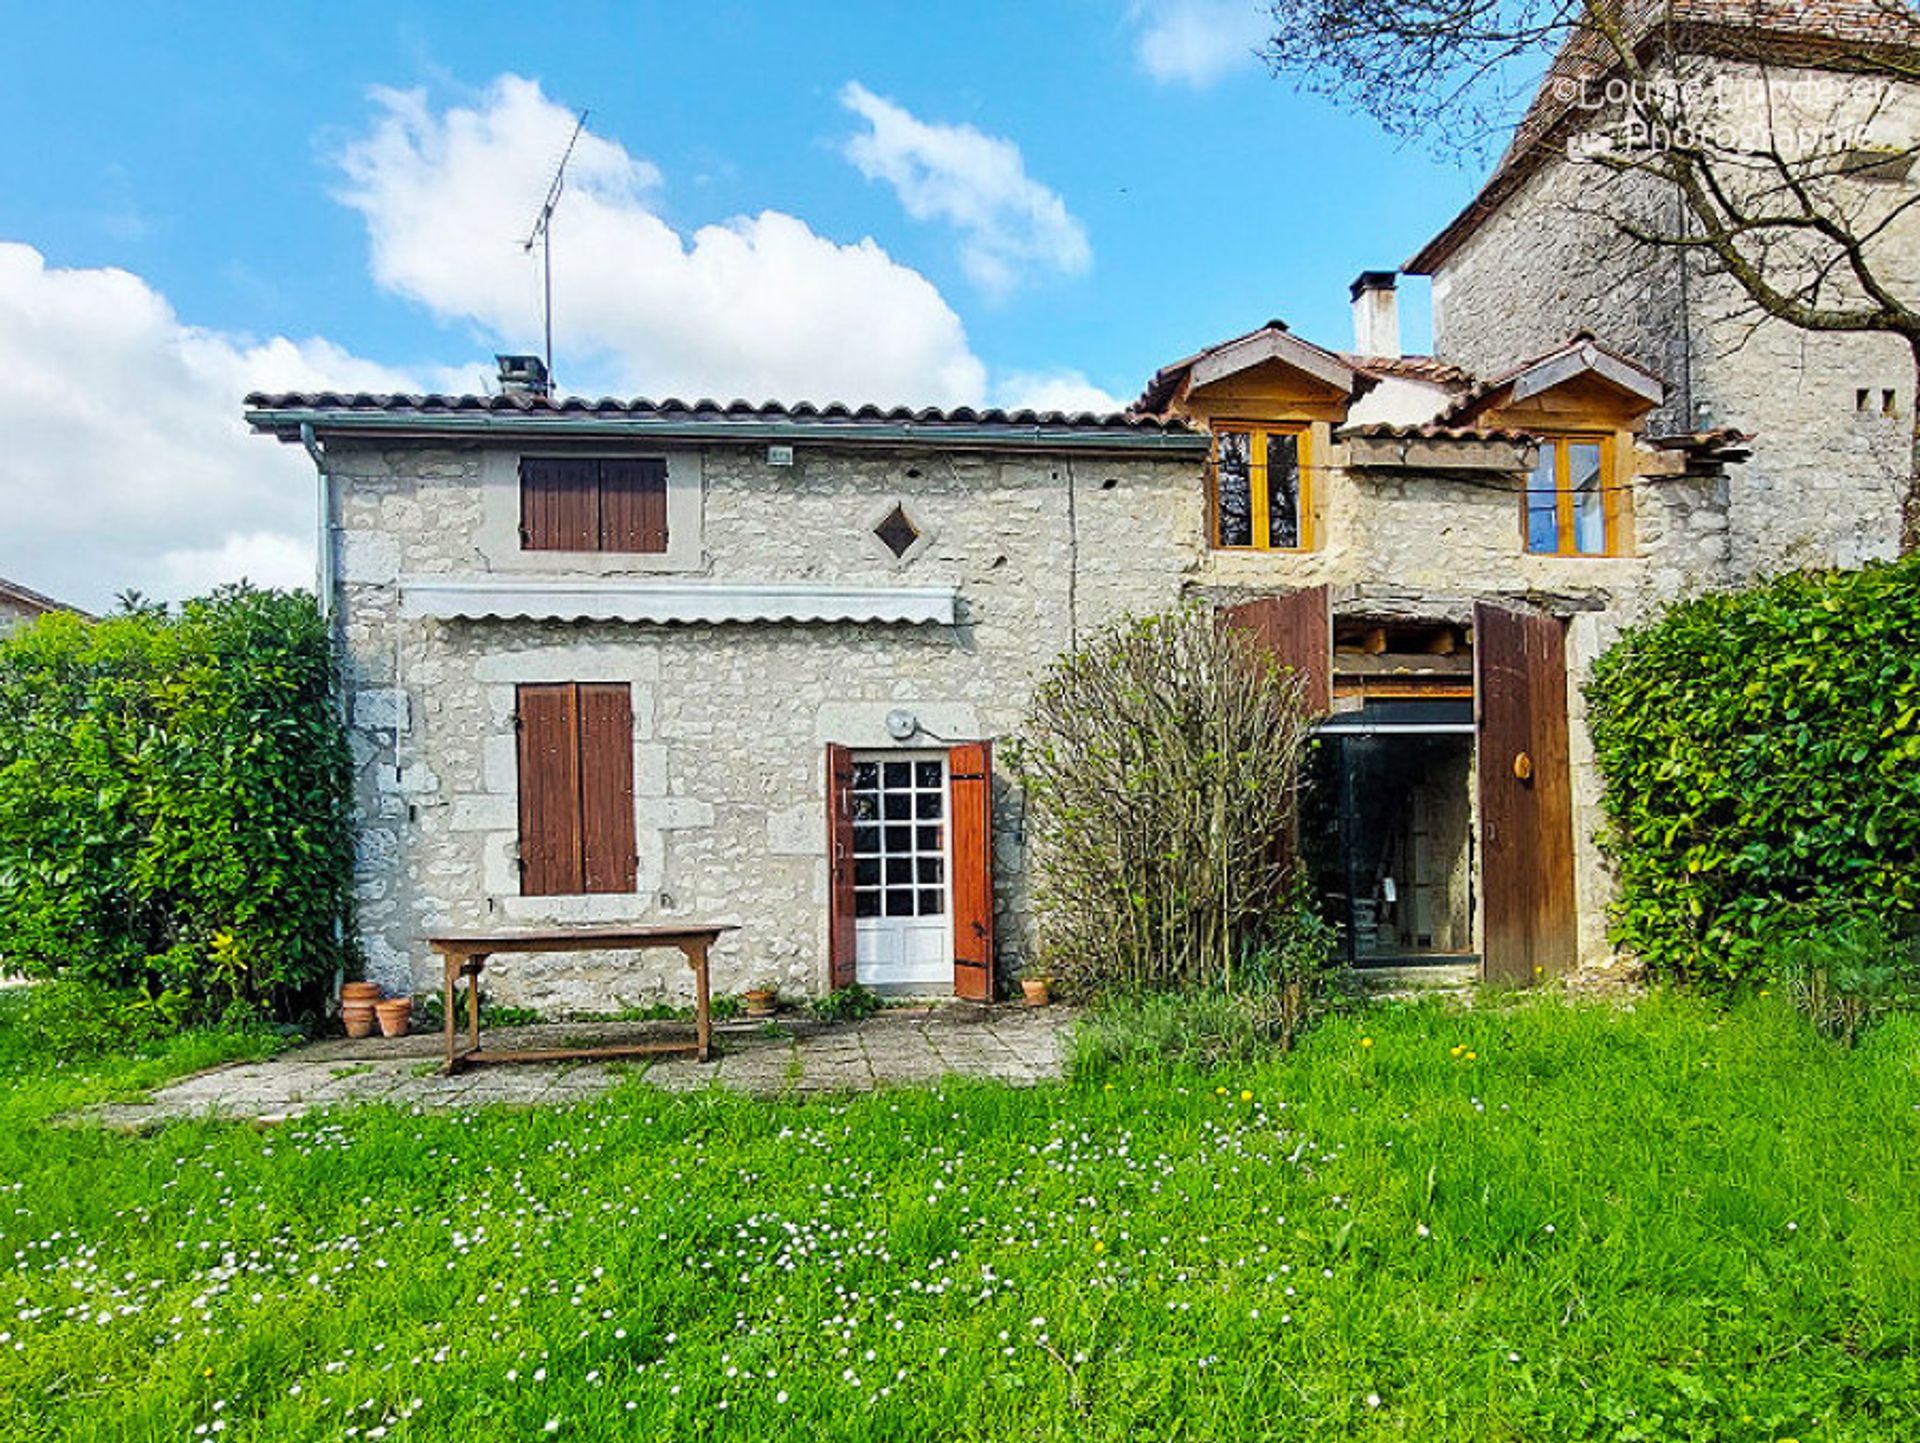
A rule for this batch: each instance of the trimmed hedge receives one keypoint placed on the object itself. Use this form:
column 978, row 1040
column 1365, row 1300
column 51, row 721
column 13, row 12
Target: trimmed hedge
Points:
column 175, row 805
column 1761, row 754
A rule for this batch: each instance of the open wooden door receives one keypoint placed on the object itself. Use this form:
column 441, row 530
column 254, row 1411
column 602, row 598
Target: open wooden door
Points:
column 1297, row 627
column 970, row 785
column 1526, row 795
column 841, row 943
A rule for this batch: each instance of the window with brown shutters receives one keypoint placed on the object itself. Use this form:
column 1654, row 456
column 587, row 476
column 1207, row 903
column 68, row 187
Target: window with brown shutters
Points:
column 576, row 788
column 570, row 503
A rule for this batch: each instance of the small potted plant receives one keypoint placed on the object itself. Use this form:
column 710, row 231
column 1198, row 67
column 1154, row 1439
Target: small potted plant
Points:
column 760, row 999
column 396, row 1015
column 1037, row 988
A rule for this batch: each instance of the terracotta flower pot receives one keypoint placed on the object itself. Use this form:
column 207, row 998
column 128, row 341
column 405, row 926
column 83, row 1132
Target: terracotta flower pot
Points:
column 760, row 1001
column 1036, row 991
column 395, row 1014
column 360, row 992
column 357, row 1018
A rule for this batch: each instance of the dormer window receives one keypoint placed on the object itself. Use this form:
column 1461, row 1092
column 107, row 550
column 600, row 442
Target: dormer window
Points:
column 1260, row 497
column 1570, row 498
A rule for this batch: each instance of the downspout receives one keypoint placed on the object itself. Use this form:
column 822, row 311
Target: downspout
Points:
column 324, row 589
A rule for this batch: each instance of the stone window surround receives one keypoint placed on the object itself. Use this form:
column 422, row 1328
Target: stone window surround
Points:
column 921, row 541
column 494, row 812
column 498, row 541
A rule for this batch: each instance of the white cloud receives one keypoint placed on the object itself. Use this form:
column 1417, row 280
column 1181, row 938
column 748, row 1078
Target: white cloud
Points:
column 1197, row 42
column 1010, row 225
column 1068, row 391
column 126, row 462
column 760, row 306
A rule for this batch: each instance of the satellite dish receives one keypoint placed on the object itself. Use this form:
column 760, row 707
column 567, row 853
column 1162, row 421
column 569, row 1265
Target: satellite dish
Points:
column 902, row 725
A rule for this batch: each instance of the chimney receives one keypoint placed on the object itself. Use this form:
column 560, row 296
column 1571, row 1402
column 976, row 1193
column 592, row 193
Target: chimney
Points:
column 1376, row 314
column 524, row 376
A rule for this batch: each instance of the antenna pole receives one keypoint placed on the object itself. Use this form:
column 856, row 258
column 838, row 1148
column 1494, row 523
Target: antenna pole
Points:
column 542, row 233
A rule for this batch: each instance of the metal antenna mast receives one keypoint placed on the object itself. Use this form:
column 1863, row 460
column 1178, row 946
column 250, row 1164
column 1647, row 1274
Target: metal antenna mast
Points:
column 542, row 235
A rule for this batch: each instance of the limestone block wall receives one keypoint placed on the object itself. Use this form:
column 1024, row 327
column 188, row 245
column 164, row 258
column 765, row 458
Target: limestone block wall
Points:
column 730, row 723
column 1824, row 484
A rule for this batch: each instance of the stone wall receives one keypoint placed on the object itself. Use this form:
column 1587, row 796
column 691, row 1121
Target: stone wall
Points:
column 1824, row 485
column 731, row 722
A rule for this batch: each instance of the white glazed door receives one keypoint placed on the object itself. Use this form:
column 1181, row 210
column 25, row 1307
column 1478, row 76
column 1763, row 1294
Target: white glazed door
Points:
column 903, row 914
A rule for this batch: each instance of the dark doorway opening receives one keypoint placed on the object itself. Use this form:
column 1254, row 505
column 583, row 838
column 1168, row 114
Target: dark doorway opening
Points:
column 1388, row 831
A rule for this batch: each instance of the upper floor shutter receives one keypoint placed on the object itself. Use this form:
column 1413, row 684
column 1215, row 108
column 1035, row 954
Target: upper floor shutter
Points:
column 633, row 505
column 559, row 504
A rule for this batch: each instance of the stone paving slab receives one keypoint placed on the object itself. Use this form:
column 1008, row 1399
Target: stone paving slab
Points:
column 896, row 1048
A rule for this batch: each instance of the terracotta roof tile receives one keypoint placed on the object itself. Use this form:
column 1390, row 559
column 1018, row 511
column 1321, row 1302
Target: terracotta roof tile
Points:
column 642, row 408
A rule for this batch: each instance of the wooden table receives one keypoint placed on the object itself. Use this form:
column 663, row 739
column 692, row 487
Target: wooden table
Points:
column 465, row 954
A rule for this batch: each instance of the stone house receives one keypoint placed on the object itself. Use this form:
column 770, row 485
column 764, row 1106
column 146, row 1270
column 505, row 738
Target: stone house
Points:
column 19, row 605
column 1540, row 250
column 622, row 661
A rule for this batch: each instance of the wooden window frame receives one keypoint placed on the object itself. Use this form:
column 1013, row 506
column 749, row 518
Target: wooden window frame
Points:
column 1258, row 484
column 600, row 542
column 1612, row 513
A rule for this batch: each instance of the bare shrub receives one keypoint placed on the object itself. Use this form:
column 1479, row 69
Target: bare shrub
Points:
column 1162, row 764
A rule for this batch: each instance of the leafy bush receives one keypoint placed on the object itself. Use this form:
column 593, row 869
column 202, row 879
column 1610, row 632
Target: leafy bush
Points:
column 1761, row 752
column 1849, row 978
column 852, row 1003
column 1161, row 764
column 174, row 805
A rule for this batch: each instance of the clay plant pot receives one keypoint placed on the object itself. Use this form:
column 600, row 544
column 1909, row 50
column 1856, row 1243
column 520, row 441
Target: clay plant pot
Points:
column 360, row 992
column 357, row 1018
column 760, row 1001
column 1036, row 990
column 395, row 1014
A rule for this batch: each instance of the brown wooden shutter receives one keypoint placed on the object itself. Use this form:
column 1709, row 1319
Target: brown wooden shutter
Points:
column 1297, row 627
column 1526, row 795
column 550, row 860
column 608, row 863
column 970, row 788
column 559, row 504
column 840, row 929
column 633, row 505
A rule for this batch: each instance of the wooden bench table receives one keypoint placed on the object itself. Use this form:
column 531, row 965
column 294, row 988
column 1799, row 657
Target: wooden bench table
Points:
column 465, row 954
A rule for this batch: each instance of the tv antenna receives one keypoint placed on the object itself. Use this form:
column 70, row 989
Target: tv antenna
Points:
column 542, row 236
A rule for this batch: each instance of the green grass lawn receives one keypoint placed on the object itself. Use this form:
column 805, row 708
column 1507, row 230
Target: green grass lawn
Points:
column 1542, row 1221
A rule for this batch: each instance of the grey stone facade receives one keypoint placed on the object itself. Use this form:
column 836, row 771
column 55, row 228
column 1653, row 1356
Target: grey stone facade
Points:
column 1829, row 468
column 731, row 721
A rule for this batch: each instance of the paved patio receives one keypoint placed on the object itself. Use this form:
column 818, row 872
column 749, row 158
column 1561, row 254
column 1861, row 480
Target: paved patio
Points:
column 791, row 1056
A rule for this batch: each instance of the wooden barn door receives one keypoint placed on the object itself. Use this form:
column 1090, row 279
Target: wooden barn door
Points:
column 1526, row 795
column 1297, row 627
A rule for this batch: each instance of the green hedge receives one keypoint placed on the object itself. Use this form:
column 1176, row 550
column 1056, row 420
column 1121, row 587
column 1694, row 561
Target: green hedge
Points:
column 174, row 804
column 1761, row 754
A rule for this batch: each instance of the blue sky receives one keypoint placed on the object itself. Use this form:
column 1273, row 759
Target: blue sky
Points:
column 991, row 202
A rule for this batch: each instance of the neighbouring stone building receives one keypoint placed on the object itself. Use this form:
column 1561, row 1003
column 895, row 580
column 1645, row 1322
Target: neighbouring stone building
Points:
column 1540, row 250
column 19, row 605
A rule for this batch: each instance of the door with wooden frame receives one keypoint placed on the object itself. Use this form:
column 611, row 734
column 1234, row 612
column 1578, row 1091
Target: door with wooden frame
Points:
column 1528, row 929
column 911, row 890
